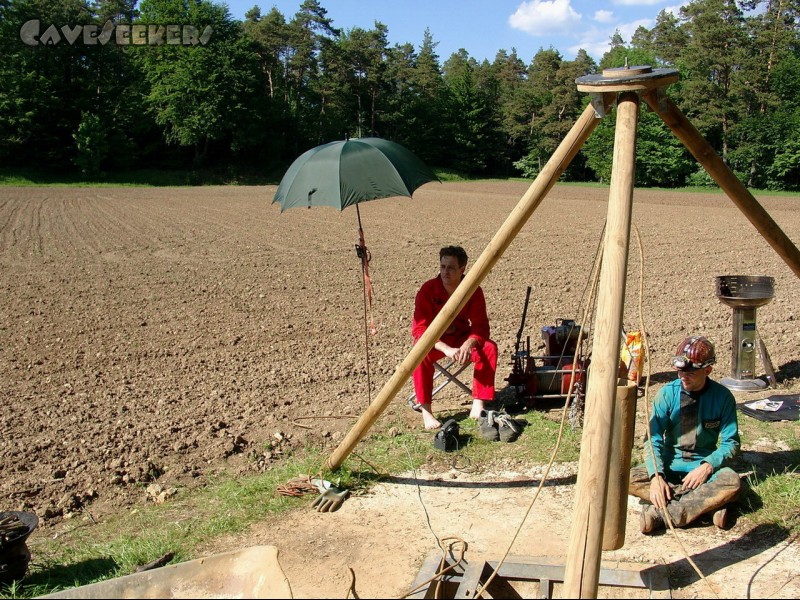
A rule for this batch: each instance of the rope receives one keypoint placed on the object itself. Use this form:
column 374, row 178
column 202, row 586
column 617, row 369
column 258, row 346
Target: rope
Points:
column 369, row 295
column 299, row 486
column 453, row 542
column 595, row 278
column 646, row 346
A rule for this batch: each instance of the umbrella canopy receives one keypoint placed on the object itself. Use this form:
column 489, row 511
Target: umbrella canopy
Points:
column 344, row 173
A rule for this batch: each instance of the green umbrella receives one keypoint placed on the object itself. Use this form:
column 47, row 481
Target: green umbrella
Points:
column 344, row 173
column 348, row 172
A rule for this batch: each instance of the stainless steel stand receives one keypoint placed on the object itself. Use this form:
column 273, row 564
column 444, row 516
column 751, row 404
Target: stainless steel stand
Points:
column 744, row 294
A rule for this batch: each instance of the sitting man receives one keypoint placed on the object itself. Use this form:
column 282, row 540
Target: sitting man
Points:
column 694, row 429
column 466, row 340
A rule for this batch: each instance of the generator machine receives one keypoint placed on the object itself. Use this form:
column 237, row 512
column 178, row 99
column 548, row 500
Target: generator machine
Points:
column 554, row 374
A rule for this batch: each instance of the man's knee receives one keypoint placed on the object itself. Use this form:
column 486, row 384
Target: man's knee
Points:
column 726, row 480
column 486, row 354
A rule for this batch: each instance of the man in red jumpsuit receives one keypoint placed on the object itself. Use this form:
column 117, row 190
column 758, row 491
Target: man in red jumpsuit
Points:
column 466, row 340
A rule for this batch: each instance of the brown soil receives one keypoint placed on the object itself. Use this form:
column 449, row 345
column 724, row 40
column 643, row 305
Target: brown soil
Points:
column 165, row 336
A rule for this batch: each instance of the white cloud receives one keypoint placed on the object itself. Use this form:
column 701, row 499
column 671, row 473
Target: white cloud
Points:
column 539, row 17
column 637, row 2
column 626, row 30
column 675, row 10
column 604, row 16
column 596, row 41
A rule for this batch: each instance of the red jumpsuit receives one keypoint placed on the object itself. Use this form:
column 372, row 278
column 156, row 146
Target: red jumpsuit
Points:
column 472, row 322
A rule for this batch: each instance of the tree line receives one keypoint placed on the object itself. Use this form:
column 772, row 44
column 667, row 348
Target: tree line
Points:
column 108, row 85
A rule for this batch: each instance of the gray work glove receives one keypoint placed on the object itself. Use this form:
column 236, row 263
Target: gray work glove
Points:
column 330, row 500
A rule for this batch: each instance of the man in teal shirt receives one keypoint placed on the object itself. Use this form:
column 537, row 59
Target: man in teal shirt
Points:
column 694, row 430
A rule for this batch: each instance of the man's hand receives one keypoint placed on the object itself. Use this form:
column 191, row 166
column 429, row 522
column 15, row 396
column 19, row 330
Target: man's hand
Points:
column 697, row 476
column 463, row 355
column 660, row 492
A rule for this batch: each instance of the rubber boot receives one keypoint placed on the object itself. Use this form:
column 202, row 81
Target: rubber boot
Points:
column 639, row 483
column 720, row 518
column 709, row 497
column 650, row 519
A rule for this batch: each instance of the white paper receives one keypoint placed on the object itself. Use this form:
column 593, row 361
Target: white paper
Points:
column 768, row 405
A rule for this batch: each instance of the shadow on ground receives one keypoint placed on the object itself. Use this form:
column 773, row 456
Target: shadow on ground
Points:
column 759, row 539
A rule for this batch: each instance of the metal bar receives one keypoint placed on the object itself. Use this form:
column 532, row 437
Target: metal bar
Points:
column 452, row 376
column 471, row 580
column 429, row 568
column 440, row 371
column 549, row 571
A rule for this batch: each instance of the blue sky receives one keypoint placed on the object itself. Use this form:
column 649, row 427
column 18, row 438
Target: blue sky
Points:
column 482, row 27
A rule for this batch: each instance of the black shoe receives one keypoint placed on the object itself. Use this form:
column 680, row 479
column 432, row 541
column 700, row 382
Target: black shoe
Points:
column 508, row 429
column 487, row 426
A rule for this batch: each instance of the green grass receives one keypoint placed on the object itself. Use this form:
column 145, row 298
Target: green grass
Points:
column 247, row 176
column 774, row 499
column 772, row 494
column 89, row 552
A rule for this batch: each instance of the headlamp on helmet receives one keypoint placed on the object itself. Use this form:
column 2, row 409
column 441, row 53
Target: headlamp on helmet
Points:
column 695, row 352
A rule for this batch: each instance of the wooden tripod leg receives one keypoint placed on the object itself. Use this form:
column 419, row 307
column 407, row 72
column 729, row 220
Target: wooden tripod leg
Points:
column 581, row 574
column 559, row 161
column 721, row 173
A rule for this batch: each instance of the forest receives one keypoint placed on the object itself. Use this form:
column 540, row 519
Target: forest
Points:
column 92, row 87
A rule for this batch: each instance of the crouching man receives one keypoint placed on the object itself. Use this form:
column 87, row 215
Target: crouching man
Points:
column 694, row 430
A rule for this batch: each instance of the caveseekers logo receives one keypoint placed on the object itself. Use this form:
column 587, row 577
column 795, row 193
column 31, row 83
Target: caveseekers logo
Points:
column 122, row 35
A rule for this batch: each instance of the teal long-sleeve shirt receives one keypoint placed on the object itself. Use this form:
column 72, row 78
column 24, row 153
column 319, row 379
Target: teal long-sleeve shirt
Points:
column 707, row 432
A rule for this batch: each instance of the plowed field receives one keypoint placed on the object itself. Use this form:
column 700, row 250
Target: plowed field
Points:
column 165, row 335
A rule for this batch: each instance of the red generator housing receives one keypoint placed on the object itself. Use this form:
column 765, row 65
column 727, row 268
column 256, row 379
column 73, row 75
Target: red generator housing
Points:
column 551, row 375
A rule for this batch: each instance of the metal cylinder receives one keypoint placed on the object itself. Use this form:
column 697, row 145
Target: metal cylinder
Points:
column 744, row 293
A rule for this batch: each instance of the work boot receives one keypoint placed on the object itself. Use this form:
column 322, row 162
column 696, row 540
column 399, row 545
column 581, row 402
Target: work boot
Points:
column 487, row 426
column 650, row 519
column 720, row 518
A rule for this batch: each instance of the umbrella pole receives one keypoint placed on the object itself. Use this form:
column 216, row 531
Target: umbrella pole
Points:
column 361, row 250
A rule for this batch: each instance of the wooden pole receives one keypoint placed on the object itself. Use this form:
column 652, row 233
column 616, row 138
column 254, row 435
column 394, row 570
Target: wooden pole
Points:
column 721, row 173
column 558, row 162
column 582, row 571
column 619, row 471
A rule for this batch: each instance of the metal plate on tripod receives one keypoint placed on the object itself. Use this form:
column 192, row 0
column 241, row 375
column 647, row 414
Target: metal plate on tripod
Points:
column 627, row 79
